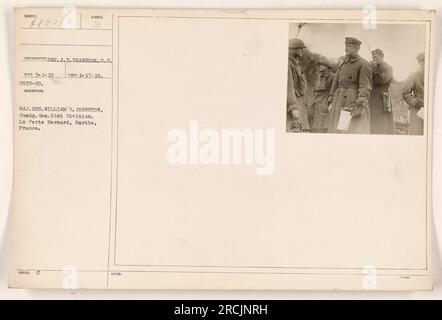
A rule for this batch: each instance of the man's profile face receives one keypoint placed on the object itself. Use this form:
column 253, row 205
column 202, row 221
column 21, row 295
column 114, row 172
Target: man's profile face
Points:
column 296, row 52
column 376, row 57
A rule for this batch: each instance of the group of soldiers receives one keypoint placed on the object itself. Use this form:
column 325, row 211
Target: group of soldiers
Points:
column 357, row 86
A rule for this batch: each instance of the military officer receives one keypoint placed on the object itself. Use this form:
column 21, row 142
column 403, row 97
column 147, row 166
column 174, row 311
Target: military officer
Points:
column 320, row 96
column 381, row 115
column 297, row 120
column 413, row 94
column 350, row 90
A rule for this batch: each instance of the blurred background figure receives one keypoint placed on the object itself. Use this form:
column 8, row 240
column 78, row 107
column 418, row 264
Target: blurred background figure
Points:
column 413, row 94
column 321, row 93
column 297, row 119
column 381, row 115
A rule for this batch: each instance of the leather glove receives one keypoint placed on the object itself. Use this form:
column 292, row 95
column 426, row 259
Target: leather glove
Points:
column 359, row 108
column 329, row 100
column 296, row 114
column 292, row 107
column 416, row 104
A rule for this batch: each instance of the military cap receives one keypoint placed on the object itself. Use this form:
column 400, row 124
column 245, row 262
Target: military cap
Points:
column 421, row 57
column 296, row 43
column 350, row 40
column 325, row 62
column 378, row 52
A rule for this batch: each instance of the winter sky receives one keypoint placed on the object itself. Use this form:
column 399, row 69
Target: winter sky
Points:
column 401, row 43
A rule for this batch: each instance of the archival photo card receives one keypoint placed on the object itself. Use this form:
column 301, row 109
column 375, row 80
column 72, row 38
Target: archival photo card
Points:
column 174, row 149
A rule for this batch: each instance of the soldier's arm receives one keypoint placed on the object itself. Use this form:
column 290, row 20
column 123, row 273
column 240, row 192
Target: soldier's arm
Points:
column 407, row 92
column 291, row 96
column 365, row 74
column 330, row 81
column 384, row 73
column 334, row 85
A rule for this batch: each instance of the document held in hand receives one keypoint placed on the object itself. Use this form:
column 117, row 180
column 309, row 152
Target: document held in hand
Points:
column 156, row 149
column 344, row 120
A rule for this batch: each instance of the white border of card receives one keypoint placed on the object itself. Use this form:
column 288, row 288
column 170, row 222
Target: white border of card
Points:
column 97, row 205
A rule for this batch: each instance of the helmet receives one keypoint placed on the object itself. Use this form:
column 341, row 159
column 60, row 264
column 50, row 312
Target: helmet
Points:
column 296, row 43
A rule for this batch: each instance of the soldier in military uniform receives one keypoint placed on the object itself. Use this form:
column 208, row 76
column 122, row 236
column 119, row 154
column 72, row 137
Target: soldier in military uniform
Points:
column 413, row 94
column 320, row 96
column 350, row 90
column 297, row 120
column 381, row 115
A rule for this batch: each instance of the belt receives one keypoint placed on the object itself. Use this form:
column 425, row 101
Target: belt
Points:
column 347, row 84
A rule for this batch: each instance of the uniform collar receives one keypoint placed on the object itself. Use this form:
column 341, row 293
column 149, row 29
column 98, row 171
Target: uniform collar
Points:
column 352, row 59
column 294, row 60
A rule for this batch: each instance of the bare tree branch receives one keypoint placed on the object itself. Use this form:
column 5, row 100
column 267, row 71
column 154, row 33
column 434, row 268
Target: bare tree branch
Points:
column 300, row 25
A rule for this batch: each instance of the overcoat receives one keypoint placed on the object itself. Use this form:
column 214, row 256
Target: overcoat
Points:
column 351, row 84
column 296, row 89
column 413, row 94
column 381, row 119
column 320, row 106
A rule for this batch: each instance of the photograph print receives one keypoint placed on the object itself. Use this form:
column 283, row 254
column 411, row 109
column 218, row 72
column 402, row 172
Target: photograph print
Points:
column 346, row 79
